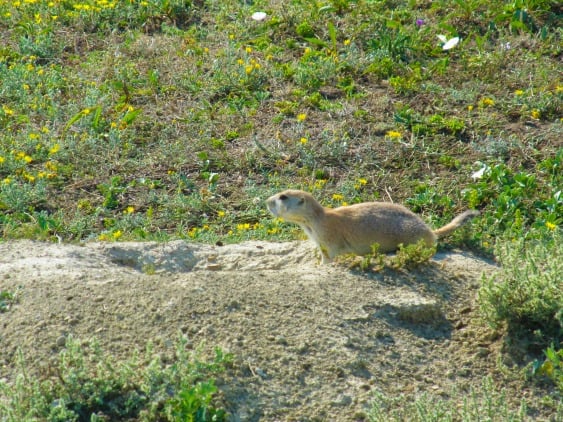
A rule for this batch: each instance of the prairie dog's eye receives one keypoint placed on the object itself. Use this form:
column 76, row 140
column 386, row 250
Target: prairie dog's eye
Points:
column 283, row 197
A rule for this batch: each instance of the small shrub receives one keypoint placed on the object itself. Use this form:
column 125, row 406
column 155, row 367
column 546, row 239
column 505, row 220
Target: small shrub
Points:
column 527, row 294
column 87, row 384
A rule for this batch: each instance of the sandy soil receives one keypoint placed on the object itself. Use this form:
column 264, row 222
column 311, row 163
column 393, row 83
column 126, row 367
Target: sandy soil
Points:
column 310, row 342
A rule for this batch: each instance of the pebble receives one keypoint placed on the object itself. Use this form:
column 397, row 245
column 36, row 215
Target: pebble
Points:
column 61, row 341
column 281, row 340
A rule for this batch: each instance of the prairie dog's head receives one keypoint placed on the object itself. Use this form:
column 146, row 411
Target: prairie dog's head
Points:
column 295, row 206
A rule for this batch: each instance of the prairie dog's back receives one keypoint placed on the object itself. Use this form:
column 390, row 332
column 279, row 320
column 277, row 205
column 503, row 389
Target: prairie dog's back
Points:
column 379, row 222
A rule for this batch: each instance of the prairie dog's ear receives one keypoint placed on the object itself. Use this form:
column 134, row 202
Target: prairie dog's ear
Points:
column 282, row 197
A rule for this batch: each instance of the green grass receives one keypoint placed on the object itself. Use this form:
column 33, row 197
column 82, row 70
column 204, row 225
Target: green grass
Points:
column 152, row 120
column 133, row 120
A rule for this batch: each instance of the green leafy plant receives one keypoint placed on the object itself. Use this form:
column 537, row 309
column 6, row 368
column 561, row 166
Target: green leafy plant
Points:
column 409, row 256
column 87, row 384
column 390, row 42
column 551, row 367
column 526, row 295
column 111, row 192
column 8, row 299
column 515, row 198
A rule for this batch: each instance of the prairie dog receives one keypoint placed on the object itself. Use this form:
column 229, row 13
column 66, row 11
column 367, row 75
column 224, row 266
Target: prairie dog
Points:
column 355, row 228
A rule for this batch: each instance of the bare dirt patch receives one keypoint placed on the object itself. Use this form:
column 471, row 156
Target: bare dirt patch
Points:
column 310, row 342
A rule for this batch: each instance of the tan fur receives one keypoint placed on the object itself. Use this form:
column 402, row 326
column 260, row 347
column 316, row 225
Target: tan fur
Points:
column 355, row 228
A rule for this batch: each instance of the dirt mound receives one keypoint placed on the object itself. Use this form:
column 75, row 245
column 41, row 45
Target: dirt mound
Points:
column 310, row 341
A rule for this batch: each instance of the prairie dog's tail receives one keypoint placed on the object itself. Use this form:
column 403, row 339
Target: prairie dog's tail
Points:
column 458, row 221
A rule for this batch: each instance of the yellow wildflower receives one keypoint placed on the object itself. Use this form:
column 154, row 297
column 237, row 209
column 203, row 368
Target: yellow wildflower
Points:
column 117, row 234
column 393, row 134
column 51, row 166
column 346, row 42
column 303, row 141
column 337, row 197
column 221, row 214
column 362, row 181
column 518, row 92
column 319, row 184
column 487, row 102
column 23, row 156
column 2, row 159
column 550, row 225
column 248, row 50
column 301, row 117
column 535, row 114
column 129, row 210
